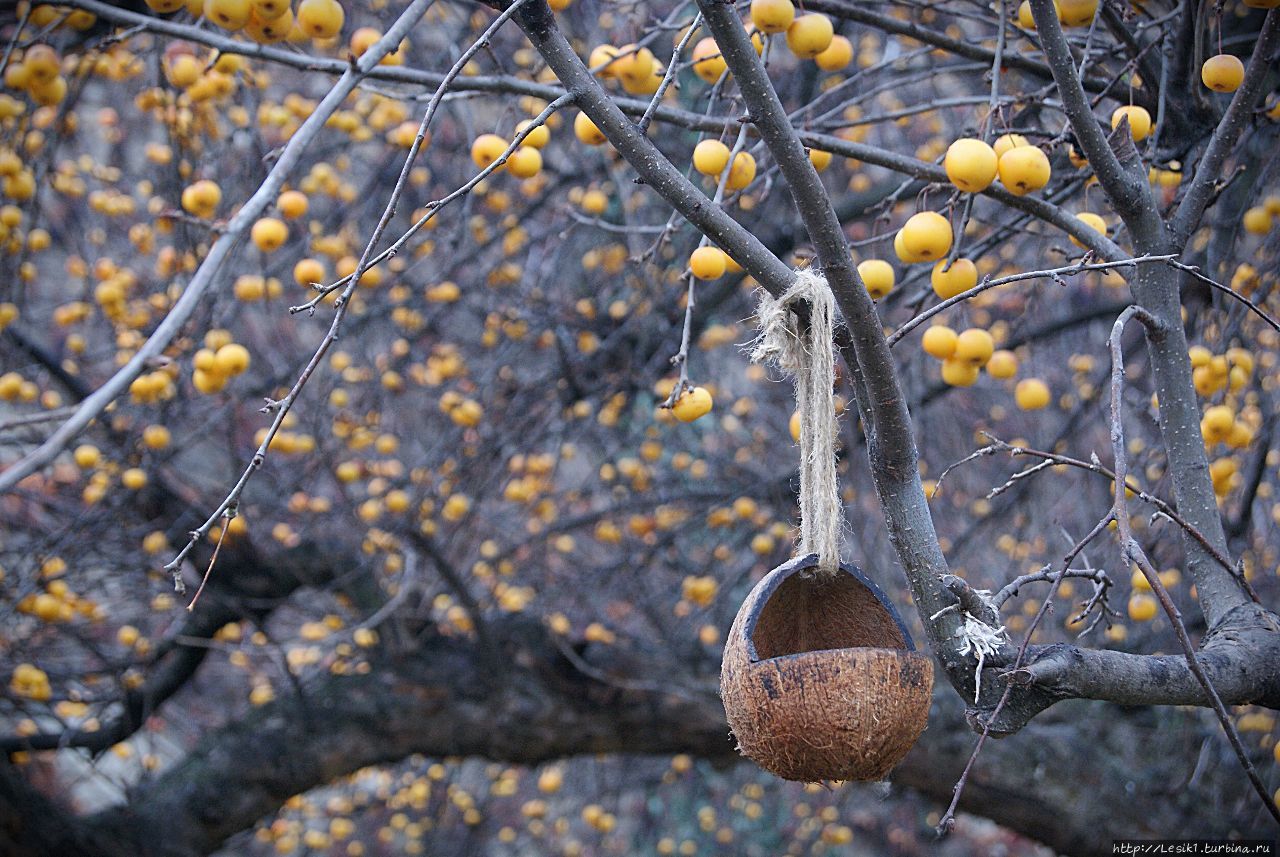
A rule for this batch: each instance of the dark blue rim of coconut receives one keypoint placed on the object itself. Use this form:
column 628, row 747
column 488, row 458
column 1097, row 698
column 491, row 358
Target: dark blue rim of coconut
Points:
column 770, row 583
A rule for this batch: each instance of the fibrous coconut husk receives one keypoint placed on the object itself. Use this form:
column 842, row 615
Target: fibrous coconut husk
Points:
column 820, row 680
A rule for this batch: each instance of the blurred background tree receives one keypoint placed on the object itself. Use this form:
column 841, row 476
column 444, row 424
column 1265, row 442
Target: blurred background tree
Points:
column 469, row 573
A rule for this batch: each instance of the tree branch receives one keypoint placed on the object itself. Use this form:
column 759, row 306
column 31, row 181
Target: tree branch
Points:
column 1209, row 169
column 655, row 170
column 1125, row 185
column 1038, row 207
column 1132, row 551
column 430, row 701
column 1244, row 672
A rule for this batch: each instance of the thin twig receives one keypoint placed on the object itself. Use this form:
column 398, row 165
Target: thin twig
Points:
column 229, row 515
column 281, row 407
column 988, row 123
column 263, row 197
column 1199, row 191
column 1163, row 508
column 1046, row 575
column 1195, row 272
column 1016, row 477
column 973, row 456
column 17, row 34
column 669, row 76
column 1051, row 273
column 36, row 419
column 947, row 822
column 434, row 207
column 681, row 357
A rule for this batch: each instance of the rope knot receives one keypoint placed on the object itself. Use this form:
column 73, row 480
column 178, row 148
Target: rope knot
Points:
column 805, row 352
column 781, row 341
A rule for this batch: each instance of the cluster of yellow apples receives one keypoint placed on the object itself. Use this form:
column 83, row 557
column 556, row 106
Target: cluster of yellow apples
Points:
column 809, row 36
column 154, row 386
column 525, row 161
column 265, row 21
column 30, row 682
column 925, row 237
column 1219, row 425
column 464, row 411
column 963, row 354
column 531, row 477
column 57, row 603
column 972, row 165
column 1211, row 373
column 712, row 157
column 17, row 182
column 201, row 79
column 1071, row 13
column 38, row 73
column 634, row 67
column 15, row 388
column 219, row 361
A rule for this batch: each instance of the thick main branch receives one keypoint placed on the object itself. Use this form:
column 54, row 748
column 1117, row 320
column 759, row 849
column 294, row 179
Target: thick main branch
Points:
column 435, row 700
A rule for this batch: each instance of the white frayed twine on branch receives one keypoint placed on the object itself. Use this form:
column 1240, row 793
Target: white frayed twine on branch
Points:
column 976, row 636
column 805, row 352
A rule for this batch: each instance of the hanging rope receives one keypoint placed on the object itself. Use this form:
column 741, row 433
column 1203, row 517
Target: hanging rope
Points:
column 807, row 355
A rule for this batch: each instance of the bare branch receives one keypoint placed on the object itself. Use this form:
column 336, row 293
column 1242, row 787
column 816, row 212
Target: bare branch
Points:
column 1126, row 186
column 1045, row 575
column 1257, row 310
column 1209, row 169
column 987, row 283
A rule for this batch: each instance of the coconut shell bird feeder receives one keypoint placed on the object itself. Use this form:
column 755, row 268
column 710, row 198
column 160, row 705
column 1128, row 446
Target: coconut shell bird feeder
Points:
column 820, row 680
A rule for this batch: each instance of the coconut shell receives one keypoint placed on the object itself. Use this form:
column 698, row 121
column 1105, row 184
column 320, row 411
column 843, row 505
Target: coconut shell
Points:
column 820, row 680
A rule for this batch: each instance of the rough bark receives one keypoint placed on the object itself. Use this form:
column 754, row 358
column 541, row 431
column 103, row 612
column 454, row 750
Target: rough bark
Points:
column 1149, row 773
